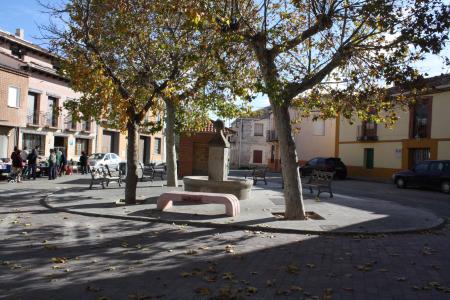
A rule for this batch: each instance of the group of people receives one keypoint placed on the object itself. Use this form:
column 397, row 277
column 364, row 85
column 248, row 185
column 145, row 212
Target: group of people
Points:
column 24, row 163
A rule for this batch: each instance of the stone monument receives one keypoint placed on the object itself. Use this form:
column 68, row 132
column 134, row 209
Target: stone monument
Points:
column 217, row 180
column 219, row 149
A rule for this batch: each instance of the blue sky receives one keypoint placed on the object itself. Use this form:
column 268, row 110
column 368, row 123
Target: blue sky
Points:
column 28, row 14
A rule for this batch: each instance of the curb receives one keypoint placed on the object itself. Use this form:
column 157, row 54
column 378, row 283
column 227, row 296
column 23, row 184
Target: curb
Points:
column 442, row 222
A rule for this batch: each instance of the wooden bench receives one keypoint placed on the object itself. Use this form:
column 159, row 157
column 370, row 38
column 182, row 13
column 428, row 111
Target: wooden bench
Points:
column 258, row 173
column 320, row 180
column 97, row 176
column 113, row 176
column 231, row 202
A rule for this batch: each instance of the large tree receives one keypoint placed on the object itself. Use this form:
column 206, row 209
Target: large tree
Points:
column 129, row 58
column 346, row 49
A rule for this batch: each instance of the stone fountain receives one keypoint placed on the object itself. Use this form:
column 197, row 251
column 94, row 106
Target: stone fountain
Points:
column 217, row 180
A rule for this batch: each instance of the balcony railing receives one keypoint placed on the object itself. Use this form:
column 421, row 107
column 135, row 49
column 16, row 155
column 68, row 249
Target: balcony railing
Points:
column 86, row 126
column 367, row 133
column 271, row 135
column 70, row 124
column 35, row 118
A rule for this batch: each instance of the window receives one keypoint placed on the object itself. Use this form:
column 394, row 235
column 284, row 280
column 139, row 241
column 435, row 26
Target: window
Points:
column 53, row 111
column 157, row 149
column 259, row 129
column 33, row 111
column 13, row 96
column 81, row 145
column 421, row 119
column 313, row 162
column 421, row 167
column 437, row 166
column 368, row 158
column 257, row 156
column 319, row 127
column 32, row 140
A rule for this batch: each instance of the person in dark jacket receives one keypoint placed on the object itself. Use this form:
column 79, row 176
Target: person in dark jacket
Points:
column 52, row 165
column 17, row 163
column 83, row 162
column 32, row 159
column 62, row 164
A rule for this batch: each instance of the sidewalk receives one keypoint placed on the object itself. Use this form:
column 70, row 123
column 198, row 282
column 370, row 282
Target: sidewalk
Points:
column 339, row 215
column 53, row 255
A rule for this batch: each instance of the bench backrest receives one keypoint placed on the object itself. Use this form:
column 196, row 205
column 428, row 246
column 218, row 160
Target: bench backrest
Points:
column 112, row 173
column 321, row 177
column 97, row 173
column 261, row 172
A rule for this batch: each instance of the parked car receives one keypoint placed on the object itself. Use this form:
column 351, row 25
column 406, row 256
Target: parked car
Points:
column 329, row 164
column 429, row 174
column 101, row 159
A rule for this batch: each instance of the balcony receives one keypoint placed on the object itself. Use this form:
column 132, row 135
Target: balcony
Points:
column 51, row 120
column 271, row 136
column 35, row 118
column 43, row 119
column 70, row 124
column 367, row 132
column 86, row 126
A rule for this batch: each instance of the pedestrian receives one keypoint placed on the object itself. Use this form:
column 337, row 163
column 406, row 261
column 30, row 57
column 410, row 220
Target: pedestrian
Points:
column 24, row 156
column 17, row 163
column 83, row 162
column 52, row 165
column 58, row 162
column 32, row 159
column 63, row 164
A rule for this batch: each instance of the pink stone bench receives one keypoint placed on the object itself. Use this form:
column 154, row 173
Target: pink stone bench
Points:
column 231, row 202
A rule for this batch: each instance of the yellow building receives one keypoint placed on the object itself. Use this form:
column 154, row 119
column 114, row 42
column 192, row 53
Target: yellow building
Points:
column 373, row 151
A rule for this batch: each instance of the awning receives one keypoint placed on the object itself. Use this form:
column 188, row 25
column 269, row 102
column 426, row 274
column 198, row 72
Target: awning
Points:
column 88, row 137
column 61, row 134
column 33, row 132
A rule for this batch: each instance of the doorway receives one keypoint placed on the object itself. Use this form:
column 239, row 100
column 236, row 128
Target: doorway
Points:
column 60, row 143
column 416, row 155
column 144, row 149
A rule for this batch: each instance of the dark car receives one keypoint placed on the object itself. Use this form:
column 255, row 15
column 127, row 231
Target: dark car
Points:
column 429, row 174
column 329, row 164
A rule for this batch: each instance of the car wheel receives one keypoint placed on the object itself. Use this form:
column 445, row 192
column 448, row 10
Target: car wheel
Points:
column 400, row 182
column 445, row 187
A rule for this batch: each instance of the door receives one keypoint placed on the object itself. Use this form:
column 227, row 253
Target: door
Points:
column 257, row 156
column 61, row 144
column 420, row 174
column 142, row 149
column 435, row 174
column 200, row 160
column 3, row 146
column 107, row 141
column 417, row 155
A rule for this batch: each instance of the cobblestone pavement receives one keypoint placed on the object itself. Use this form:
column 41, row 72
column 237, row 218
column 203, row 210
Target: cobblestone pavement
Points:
column 47, row 255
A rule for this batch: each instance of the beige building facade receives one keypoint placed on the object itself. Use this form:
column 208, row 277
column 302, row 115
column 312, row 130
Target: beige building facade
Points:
column 374, row 151
column 32, row 96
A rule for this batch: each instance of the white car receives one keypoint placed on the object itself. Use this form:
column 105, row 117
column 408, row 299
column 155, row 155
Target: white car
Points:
column 112, row 160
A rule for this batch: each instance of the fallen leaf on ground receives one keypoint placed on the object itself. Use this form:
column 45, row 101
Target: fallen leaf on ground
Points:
column 59, row 260
column 202, row 291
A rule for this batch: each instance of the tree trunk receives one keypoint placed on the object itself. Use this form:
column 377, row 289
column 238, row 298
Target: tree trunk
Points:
column 171, row 156
column 293, row 195
column 132, row 161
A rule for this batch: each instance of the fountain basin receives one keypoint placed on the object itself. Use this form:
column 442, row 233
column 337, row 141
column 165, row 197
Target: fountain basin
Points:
column 237, row 186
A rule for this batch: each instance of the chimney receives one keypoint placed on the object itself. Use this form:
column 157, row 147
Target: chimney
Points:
column 20, row 33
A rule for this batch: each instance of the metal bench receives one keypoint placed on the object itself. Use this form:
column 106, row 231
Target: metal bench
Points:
column 258, row 173
column 150, row 172
column 114, row 175
column 231, row 202
column 320, row 180
column 97, row 177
